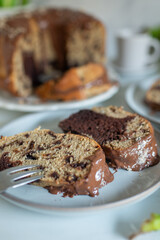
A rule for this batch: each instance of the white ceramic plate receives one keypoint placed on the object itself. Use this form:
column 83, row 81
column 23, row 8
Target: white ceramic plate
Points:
column 127, row 187
column 33, row 104
column 135, row 96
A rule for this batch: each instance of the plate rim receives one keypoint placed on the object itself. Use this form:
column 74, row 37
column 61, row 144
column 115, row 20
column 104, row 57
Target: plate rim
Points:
column 43, row 207
column 131, row 103
column 62, row 105
column 151, row 68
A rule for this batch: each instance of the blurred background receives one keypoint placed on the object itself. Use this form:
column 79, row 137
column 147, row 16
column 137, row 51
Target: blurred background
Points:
column 114, row 14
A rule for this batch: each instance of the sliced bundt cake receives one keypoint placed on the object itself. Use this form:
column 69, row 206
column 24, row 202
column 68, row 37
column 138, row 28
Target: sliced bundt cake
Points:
column 127, row 139
column 72, row 164
column 76, row 84
column 153, row 96
column 36, row 42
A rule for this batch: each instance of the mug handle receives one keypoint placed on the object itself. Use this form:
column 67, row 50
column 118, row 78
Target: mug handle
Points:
column 153, row 57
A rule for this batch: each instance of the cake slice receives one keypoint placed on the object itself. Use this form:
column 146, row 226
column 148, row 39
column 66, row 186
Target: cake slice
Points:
column 72, row 164
column 127, row 139
column 152, row 97
column 76, row 84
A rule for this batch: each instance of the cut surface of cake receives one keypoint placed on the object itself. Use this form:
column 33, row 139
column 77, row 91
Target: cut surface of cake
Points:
column 37, row 42
column 76, row 84
column 152, row 97
column 127, row 139
column 71, row 164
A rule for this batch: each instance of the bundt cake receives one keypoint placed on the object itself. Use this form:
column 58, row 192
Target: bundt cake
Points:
column 37, row 42
column 152, row 98
column 76, row 84
column 72, row 164
column 127, row 139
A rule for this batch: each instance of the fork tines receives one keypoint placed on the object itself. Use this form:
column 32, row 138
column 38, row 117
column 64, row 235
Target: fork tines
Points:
column 18, row 176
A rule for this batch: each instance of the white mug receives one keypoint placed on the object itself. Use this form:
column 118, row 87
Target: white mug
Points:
column 133, row 49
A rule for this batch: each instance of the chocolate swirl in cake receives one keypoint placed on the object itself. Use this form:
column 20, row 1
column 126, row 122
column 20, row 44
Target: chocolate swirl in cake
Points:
column 127, row 139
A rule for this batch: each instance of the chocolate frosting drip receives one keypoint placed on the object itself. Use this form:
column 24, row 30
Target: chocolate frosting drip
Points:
column 98, row 176
column 99, row 126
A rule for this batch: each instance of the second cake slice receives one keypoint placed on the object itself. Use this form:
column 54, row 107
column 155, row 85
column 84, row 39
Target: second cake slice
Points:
column 127, row 139
column 77, row 83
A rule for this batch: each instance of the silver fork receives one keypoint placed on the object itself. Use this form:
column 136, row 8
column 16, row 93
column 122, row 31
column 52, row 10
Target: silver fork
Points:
column 11, row 177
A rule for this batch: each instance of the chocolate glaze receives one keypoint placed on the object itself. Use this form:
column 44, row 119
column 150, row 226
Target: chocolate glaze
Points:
column 98, row 176
column 141, row 154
